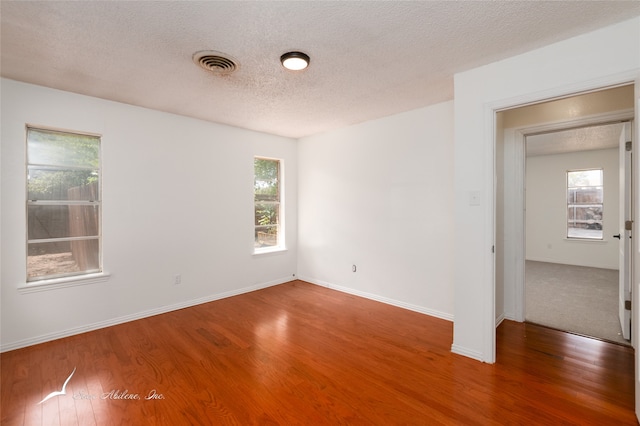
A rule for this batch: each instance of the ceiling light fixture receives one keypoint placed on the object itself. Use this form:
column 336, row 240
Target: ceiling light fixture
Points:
column 295, row 61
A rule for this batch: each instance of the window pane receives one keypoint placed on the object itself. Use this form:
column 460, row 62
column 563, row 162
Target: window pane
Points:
column 62, row 258
column 47, row 184
column 63, row 191
column 267, row 214
column 585, row 216
column 47, row 221
column 266, row 236
column 267, row 202
column 584, row 221
column 266, row 197
column 588, row 195
column 585, row 198
column 62, row 149
column 266, row 179
column 584, row 178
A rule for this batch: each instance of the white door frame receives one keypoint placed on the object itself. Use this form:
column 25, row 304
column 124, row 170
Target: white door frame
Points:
column 489, row 114
column 625, row 258
column 514, row 200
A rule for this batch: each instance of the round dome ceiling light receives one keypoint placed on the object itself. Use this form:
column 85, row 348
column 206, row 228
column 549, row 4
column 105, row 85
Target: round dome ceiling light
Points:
column 295, row 61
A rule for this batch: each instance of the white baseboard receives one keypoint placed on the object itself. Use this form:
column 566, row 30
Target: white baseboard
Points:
column 512, row 317
column 500, row 319
column 382, row 299
column 467, row 352
column 139, row 315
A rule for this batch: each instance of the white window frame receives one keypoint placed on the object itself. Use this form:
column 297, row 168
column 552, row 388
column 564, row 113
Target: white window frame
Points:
column 61, row 280
column 585, row 238
column 280, row 242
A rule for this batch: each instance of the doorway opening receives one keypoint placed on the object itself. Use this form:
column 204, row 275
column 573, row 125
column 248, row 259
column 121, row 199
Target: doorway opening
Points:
column 572, row 218
column 545, row 272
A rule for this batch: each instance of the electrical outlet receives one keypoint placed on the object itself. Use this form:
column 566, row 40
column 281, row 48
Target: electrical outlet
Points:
column 177, row 279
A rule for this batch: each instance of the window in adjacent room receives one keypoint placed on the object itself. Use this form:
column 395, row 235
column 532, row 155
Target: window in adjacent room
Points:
column 585, row 200
column 267, row 191
column 63, row 204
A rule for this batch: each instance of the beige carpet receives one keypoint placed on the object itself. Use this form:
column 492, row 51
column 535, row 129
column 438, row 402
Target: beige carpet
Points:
column 573, row 298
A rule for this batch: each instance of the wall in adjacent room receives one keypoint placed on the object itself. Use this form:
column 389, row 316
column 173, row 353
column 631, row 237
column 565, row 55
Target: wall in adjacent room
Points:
column 546, row 213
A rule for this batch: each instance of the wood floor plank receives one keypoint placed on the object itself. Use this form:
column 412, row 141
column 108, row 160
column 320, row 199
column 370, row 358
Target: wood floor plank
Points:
column 300, row 354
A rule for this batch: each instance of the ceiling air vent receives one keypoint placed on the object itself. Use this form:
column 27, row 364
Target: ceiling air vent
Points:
column 215, row 62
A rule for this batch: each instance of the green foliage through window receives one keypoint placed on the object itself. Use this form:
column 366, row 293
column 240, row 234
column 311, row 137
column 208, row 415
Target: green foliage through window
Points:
column 266, row 201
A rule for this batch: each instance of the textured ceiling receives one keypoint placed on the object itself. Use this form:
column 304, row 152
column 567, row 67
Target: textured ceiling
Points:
column 582, row 139
column 368, row 59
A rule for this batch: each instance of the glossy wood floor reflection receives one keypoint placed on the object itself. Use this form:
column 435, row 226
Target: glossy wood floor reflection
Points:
column 299, row 354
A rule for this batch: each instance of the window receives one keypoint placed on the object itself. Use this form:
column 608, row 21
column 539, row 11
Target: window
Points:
column 63, row 204
column 584, row 204
column 267, row 204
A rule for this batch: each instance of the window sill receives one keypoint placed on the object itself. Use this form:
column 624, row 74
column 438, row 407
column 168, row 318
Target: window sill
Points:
column 57, row 283
column 270, row 250
column 586, row 240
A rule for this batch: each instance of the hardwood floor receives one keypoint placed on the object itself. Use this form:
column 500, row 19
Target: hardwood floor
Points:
column 303, row 354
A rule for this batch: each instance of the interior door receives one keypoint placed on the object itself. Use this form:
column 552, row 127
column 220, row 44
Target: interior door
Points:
column 624, row 232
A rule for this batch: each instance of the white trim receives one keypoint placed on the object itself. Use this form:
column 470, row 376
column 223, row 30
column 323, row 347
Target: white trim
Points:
column 573, row 123
column 140, row 315
column 521, row 235
column 511, row 317
column 518, row 136
column 499, row 320
column 586, row 240
column 382, row 299
column 635, row 288
column 281, row 225
column 62, row 130
column 489, row 302
column 470, row 353
column 269, row 250
column 63, row 282
column 490, row 109
column 566, row 91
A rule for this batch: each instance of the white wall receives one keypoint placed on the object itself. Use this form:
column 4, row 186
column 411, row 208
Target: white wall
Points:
column 605, row 57
column 546, row 201
column 178, row 198
column 380, row 195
